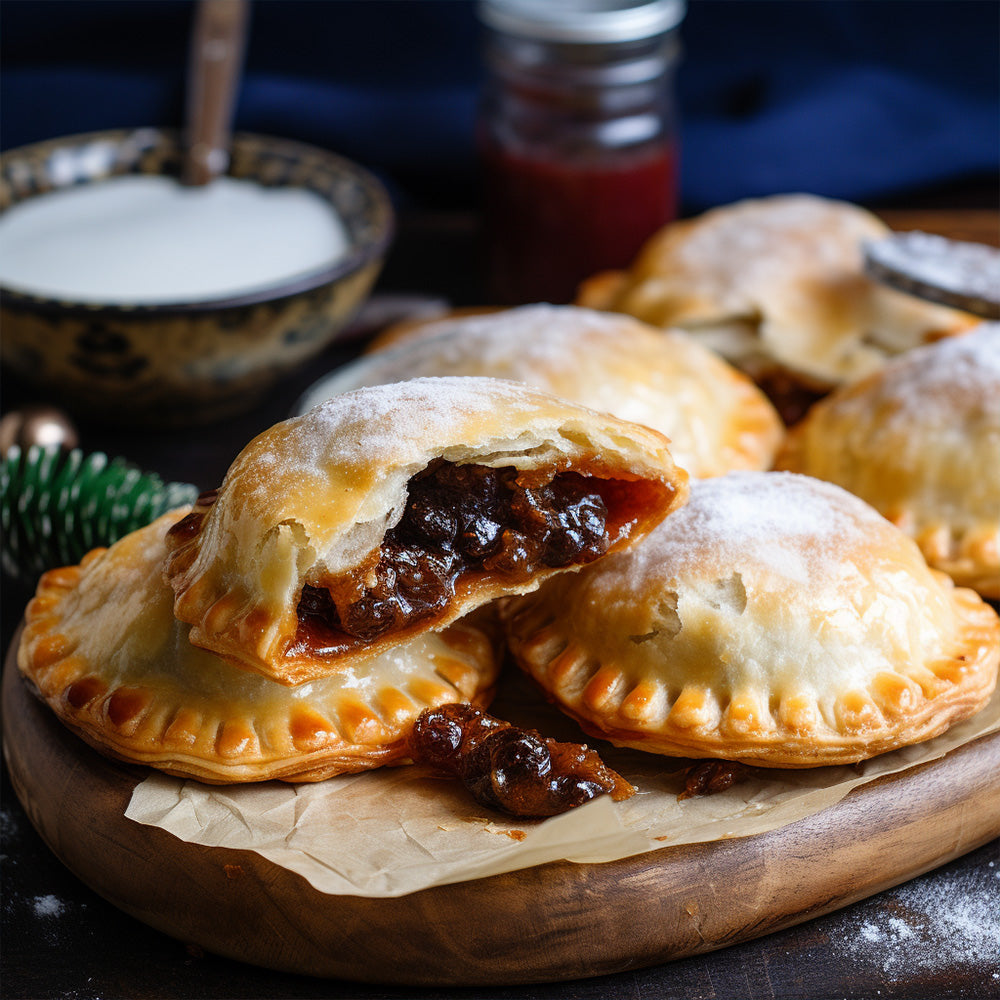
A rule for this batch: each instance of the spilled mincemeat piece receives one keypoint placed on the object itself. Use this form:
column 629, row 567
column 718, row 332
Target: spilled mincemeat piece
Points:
column 518, row 771
column 708, row 777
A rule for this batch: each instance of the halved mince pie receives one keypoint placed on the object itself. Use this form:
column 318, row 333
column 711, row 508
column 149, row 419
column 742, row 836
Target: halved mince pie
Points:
column 920, row 441
column 398, row 509
column 716, row 419
column 102, row 648
column 775, row 619
column 777, row 286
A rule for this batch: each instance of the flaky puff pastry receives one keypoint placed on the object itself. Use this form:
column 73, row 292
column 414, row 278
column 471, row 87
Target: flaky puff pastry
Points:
column 776, row 284
column 774, row 619
column 310, row 502
column 716, row 419
column 101, row 646
column 920, row 441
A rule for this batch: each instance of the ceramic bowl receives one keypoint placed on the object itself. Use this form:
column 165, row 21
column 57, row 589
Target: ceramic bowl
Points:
column 199, row 361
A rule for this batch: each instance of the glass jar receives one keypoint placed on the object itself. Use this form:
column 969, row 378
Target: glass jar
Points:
column 576, row 138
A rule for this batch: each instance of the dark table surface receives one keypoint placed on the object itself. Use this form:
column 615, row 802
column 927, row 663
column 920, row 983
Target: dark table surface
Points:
column 936, row 936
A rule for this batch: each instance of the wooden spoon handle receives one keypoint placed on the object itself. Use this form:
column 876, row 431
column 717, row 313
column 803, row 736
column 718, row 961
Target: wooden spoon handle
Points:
column 216, row 59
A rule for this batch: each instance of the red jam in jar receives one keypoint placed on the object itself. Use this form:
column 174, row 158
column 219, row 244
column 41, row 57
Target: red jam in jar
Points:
column 576, row 138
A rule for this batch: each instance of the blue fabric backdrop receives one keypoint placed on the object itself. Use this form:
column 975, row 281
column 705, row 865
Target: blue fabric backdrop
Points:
column 862, row 100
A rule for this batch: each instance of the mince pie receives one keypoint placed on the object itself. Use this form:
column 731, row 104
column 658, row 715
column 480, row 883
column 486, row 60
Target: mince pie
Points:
column 397, row 509
column 102, row 648
column 715, row 417
column 775, row 620
column 920, row 441
column 777, row 286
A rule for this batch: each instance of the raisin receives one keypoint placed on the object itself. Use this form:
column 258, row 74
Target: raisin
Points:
column 580, row 536
column 480, row 537
column 446, row 734
column 708, row 777
column 429, row 522
column 316, row 601
column 439, row 737
column 509, row 770
column 369, row 617
column 517, row 556
column 422, row 577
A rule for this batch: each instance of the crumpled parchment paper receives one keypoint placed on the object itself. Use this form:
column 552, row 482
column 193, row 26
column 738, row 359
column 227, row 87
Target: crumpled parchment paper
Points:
column 398, row 830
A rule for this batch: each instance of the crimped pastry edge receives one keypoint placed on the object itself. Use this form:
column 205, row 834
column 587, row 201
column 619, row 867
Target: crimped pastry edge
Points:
column 48, row 665
column 943, row 692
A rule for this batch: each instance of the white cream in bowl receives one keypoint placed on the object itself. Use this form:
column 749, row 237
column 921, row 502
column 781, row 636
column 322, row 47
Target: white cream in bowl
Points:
column 148, row 240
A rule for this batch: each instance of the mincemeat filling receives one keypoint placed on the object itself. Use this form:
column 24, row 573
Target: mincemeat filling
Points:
column 459, row 519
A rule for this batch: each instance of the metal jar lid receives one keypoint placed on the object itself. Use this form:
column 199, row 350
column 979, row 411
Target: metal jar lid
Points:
column 583, row 21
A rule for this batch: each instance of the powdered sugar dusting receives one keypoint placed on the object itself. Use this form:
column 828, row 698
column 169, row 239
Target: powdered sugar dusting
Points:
column 48, row 906
column 945, row 923
column 798, row 527
column 943, row 382
column 380, row 418
column 746, row 256
column 545, row 331
column 796, row 230
column 528, row 344
column 666, row 380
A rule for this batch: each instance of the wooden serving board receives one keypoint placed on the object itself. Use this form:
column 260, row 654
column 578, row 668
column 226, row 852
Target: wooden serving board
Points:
column 555, row 921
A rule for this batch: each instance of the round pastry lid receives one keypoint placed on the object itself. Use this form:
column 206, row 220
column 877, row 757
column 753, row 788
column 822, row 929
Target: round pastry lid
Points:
column 950, row 272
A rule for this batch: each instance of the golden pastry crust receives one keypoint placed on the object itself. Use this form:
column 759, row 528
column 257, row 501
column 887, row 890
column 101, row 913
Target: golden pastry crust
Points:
column 774, row 619
column 920, row 441
column 776, row 283
column 309, row 503
column 102, row 648
column 717, row 420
